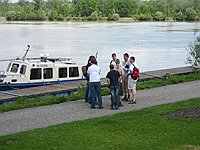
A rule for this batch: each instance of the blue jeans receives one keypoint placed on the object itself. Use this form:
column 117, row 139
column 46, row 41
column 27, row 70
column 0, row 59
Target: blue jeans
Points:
column 95, row 89
column 87, row 93
column 114, row 91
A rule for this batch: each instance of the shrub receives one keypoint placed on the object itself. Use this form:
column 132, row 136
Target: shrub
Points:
column 114, row 17
column 169, row 19
column 94, row 16
column 159, row 16
column 191, row 14
column 10, row 16
column 194, row 53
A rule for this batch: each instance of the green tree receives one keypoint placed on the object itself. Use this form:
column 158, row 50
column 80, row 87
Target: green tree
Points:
column 85, row 7
column 159, row 16
column 191, row 14
column 194, row 53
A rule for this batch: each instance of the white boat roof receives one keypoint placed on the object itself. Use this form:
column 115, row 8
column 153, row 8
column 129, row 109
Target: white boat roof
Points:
column 48, row 60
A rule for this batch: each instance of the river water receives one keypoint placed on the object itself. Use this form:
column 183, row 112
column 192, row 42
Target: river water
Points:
column 156, row 45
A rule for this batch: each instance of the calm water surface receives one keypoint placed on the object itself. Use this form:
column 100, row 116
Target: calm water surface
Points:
column 155, row 45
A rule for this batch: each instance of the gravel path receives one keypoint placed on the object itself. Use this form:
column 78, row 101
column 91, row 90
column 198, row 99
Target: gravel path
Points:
column 31, row 118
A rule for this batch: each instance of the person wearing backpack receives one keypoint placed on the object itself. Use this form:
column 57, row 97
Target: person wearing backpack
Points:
column 133, row 76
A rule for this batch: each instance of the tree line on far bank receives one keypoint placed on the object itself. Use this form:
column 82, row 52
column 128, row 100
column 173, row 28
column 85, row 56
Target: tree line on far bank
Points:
column 94, row 10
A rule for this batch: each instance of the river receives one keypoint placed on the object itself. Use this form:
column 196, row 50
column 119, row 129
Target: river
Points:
column 156, row 45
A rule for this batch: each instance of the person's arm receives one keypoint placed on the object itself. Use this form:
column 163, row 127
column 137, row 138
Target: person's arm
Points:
column 88, row 72
column 108, row 81
column 108, row 78
column 119, row 77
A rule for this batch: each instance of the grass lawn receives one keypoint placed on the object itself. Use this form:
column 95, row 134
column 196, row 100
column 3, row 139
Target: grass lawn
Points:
column 24, row 102
column 140, row 129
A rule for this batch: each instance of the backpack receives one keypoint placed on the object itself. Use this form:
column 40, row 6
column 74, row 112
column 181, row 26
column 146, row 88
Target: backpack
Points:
column 136, row 73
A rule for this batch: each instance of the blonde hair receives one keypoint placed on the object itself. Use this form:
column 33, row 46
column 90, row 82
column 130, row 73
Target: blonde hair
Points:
column 117, row 61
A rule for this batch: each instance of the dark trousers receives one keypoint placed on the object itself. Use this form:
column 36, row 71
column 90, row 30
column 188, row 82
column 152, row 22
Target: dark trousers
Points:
column 114, row 91
column 87, row 93
column 95, row 89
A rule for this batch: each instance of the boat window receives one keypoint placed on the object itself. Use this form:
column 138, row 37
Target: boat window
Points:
column 73, row 72
column 48, row 73
column 35, row 74
column 14, row 68
column 62, row 72
column 23, row 69
column 8, row 67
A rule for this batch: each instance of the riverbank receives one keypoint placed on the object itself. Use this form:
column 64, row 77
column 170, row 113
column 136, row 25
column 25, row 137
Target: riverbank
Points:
column 25, row 102
column 82, row 19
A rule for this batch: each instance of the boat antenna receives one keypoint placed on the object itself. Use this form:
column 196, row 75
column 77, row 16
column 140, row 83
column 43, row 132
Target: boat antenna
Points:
column 96, row 54
column 26, row 52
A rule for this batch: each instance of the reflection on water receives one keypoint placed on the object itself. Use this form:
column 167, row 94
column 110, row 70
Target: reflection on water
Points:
column 155, row 45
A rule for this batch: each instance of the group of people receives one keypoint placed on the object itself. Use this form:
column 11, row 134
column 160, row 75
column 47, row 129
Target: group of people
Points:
column 122, row 85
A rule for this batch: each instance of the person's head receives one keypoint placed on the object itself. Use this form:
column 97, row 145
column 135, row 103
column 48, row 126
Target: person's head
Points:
column 132, row 59
column 89, row 60
column 93, row 60
column 126, row 56
column 114, row 56
column 112, row 67
column 117, row 62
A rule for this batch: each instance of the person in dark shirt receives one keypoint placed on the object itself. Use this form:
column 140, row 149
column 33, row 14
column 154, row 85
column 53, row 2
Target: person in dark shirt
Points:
column 87, row 92
column 113, row 78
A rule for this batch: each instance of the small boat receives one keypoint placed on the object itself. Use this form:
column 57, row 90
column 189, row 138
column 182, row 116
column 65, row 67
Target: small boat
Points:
column 31, row 72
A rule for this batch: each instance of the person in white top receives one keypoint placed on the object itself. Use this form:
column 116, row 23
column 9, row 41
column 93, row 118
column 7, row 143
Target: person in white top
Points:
column 95, row 84
column 113, row 61
column 132, row 82
column 125, row 66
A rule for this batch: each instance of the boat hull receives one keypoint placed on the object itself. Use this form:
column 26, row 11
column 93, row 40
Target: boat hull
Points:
column 5, row 87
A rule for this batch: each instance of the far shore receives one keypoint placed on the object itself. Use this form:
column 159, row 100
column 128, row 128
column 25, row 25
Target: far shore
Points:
column 121, row 20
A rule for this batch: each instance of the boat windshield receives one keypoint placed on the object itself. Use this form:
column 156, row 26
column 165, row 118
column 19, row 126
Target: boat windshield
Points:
column 8, row 68
column 14, row 68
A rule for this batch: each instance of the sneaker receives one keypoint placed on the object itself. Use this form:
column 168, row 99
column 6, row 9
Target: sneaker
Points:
column 93, row 108
column 132, row 102
column 116, row 108
column 100, row 107
column 124, row 98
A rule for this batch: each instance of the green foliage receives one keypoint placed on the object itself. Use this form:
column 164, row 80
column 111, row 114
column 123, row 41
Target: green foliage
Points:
column 194, row 53
column 94, row 16
column 152, row 10
column 159, row 16
column 85, row 7
column 191, row 14
column 138, row 129
column 114, row 17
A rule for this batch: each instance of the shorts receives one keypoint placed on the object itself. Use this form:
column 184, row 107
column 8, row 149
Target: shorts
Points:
column 120, row 90
column 132, row 84
column 125, row 86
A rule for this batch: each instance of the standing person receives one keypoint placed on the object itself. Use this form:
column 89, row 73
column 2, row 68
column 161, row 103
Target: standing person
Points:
column 95, row 85
column 87, row 92
column 131, row 81
column 113, row 61
column 113, row 78
column 125, row 65
column 121, row 72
